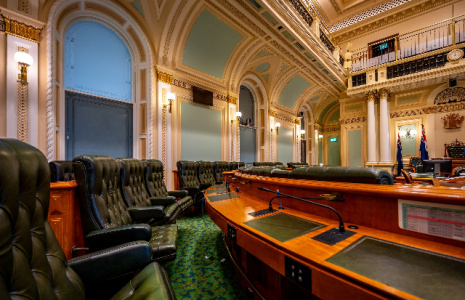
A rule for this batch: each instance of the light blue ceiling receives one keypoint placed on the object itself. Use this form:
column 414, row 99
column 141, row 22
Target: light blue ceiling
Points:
column 291, row 92
column 209, row 45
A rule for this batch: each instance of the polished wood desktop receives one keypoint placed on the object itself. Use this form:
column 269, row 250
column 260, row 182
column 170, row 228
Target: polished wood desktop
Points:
column 373, row 209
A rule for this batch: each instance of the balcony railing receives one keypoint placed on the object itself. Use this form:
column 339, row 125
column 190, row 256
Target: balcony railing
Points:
column 440, row 35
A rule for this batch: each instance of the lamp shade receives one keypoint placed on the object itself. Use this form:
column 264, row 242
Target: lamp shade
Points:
column 238, row 114
column 277, row 125
column 302, row 131
column 23, row 58
column 170, row 96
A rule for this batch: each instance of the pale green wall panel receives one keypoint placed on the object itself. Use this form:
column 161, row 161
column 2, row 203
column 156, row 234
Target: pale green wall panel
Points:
column 355, row 148
column 334, row 157
column 285, row 141
column 200, row 133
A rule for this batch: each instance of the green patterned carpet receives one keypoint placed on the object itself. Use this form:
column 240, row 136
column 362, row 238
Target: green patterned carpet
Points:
column 192, row 275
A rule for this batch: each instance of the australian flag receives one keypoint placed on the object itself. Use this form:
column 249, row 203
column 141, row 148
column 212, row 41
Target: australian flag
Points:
column 400, row 164
column 423, row 149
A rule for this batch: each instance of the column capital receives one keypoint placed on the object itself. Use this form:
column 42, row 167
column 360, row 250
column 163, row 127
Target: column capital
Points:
column 372, row 95
column 384, row 93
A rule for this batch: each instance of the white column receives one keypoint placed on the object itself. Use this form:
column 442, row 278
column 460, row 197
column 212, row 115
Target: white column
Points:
column 384, row 137
column 371, row 127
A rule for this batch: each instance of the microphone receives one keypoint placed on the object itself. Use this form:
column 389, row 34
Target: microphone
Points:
column 341, row 224
column 276, row 197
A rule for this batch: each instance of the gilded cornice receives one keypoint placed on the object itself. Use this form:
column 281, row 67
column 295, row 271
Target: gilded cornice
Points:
column 271, row 113
column 386, row 19
column 164, row 77
column 232, row 100
column 20, row 26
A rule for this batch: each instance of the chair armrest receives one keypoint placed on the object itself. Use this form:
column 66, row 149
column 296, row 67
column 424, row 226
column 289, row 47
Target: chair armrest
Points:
column 178, row 193
column 204, row 186
column 146, row 213
column 192, row 190
column 110, row 237
column 112, row 262
column 162, row 200
column 151, row 283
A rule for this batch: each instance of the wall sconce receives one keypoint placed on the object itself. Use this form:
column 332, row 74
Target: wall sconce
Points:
column 170, row 97
column 320, row 136
column 238, row 115
column 302, row 133
column 277, row 125
column 24, row 60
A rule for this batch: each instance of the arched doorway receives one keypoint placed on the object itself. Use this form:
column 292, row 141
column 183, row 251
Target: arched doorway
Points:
column 248, row 130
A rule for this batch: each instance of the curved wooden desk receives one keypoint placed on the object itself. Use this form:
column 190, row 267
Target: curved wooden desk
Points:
column 373, row 209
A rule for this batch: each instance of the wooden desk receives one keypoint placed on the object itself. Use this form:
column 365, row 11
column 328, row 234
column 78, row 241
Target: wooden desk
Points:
column 64, row 216
column 373, row 208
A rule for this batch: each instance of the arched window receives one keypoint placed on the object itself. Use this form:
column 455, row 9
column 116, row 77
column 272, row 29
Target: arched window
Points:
column 98, row 92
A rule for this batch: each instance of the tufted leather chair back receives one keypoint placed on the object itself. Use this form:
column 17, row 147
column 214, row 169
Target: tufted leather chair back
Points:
column 32, row 263
column 135, row 193
column 154, row 178
column 61, row 170
column 206, row 172
column 187, row 172
column 219, row 167
column 456, row 151
column 235, row 165
column 99, row 192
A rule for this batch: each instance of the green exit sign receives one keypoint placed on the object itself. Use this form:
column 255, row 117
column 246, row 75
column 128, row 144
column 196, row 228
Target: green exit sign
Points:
column 333, row 139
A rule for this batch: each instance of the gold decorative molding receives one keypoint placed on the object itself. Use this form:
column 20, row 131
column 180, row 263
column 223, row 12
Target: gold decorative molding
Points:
column 232, row 100
column 271, row 113
column 164, row 77
column 21, row 30
column 354, row 120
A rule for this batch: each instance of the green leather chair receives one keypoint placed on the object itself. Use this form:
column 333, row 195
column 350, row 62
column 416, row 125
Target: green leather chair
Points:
column 107, row 220
column 135, row 193
column 157, row 188
column 32, row 263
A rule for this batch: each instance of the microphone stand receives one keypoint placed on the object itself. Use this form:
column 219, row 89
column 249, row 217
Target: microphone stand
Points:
column 341, row 224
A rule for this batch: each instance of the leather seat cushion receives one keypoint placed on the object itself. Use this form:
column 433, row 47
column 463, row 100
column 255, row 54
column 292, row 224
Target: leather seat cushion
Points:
column 164, row 242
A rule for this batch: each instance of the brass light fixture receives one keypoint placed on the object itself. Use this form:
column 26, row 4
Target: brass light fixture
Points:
column 302, row 133
column 238, row 115
column 24, row 60
column 170, row 97
column 277, row 125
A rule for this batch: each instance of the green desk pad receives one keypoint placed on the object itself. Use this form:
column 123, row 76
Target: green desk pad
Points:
column 284, row 227
column 418, row 272
column 225, row 196
column 217, row 189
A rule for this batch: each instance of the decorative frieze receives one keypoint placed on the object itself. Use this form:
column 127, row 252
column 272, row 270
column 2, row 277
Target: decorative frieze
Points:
column 21, row 30
column 450, row 95
column 353, row 120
